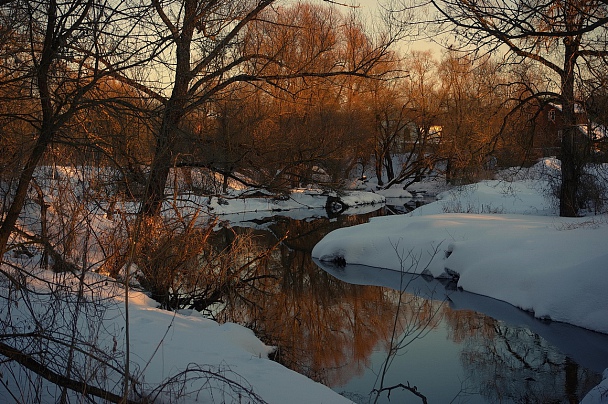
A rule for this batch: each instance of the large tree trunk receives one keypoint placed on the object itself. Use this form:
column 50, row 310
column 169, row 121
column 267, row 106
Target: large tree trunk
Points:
column 390, row 171
column 173, row 114
column 571, row 157
column 46, row 129
column 161, row 165
column 25, row 178
column 378, row 159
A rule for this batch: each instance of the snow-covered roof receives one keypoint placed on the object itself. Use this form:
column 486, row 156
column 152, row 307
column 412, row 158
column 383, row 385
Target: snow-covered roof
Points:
column 598, row 132
column 578, row 108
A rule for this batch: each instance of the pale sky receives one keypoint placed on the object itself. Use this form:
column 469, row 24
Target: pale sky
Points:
column 369, row 8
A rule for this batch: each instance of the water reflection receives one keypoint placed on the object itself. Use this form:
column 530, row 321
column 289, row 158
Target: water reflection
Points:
column 322, row 327
column 507, row 363
column 520, row 359
column 355, row 338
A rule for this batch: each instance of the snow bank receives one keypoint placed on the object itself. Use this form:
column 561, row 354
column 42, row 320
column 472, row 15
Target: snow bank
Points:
column 599, row 394
column 189, row 338
column 299, row 204
column 204, row 361
column 501, row 243
column 297, row 199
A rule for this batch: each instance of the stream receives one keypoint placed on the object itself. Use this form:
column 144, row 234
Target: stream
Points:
column 377, row 335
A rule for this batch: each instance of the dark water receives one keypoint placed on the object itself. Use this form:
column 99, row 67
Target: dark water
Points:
column 360, row 329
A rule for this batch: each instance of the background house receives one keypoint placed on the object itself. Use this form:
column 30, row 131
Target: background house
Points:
column 549, row 130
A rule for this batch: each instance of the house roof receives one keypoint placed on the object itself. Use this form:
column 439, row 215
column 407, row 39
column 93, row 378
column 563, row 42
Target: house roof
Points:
column 598, row 132
column 578, row 108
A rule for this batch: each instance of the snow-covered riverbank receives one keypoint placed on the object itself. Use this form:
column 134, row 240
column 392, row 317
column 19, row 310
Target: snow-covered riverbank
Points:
column 499, row 239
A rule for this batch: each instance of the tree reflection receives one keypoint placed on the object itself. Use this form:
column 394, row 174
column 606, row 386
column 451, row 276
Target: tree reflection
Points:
column 322, row 327
column 513, row 364
column 414, row 318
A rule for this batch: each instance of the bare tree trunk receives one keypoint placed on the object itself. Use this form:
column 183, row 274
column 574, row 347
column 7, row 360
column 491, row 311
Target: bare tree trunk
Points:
column 388, row 162
column 161, row 165
column 174, row 112
column 378, row 166
column 49, row 52
column 571, row 158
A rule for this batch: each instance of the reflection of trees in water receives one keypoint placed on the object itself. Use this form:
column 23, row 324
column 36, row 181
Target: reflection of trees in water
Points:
column 414, row 318
column 322, row 327
column 513, row 364
column 318, row 324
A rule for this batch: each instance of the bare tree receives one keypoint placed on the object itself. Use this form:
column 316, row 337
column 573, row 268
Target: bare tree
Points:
column 563, row 37
column 53, row 55
column 472, row 114
column 420, row 144
column 56, row 56
column 213, row 45
column 390, row 114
